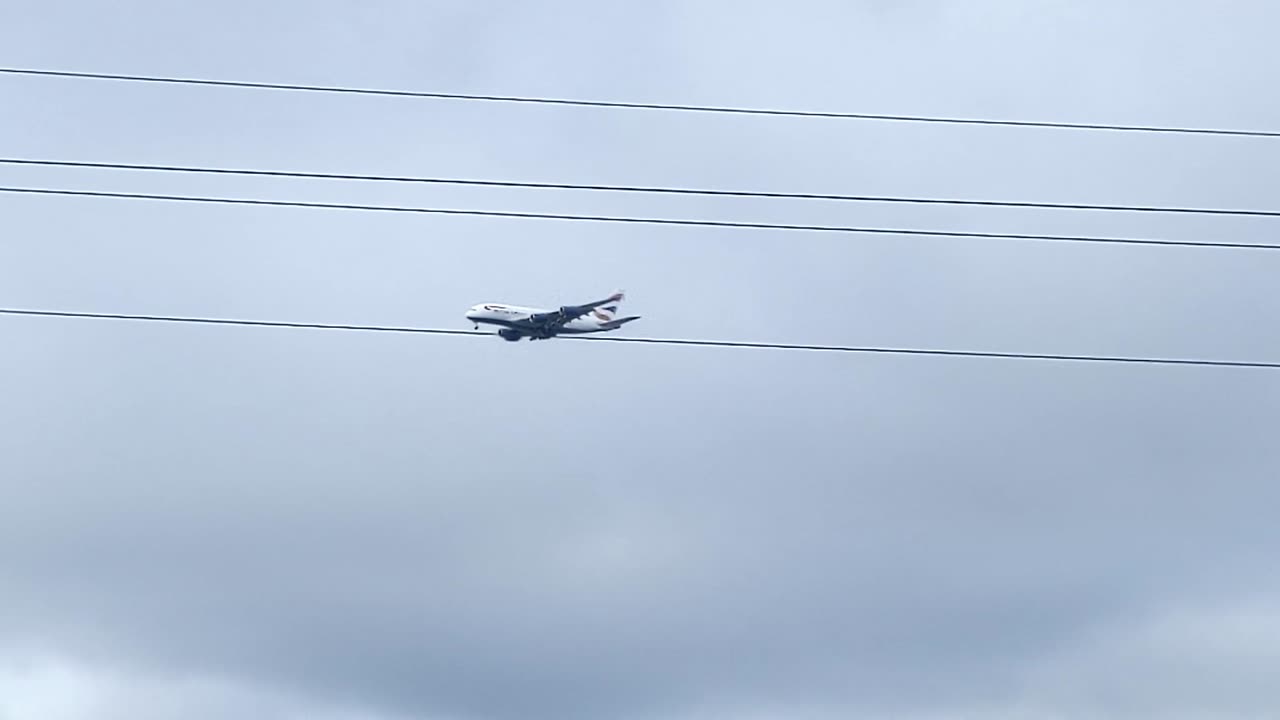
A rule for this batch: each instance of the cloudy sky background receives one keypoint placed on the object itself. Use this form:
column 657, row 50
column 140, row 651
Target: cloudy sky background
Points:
column 207, row 522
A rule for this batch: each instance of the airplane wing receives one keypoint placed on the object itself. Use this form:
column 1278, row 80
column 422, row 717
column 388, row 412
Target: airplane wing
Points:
column 569, row 313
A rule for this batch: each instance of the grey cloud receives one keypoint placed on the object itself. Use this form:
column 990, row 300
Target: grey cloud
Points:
column 457, row 528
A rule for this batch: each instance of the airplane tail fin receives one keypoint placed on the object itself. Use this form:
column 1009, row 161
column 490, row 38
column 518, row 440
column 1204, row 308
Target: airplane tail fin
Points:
column 607, row 312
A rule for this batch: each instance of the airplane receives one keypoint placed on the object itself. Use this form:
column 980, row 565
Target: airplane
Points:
column 517, row 322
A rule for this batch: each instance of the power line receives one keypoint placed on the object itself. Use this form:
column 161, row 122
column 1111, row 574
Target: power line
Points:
column 645, row 220
column 635, row 105
column 250, row 323
column 654, row 341
column 634, row 188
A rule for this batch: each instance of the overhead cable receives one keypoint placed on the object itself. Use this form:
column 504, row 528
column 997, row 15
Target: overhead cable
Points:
column 655, row 341
column 633, row 188
column 633, row 105
column 643, row 220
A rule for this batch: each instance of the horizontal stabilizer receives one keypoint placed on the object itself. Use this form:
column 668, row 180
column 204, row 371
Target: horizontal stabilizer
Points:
column 612, row 324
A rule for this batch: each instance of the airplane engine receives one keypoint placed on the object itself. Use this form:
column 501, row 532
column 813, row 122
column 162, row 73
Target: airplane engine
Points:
column 510, row 335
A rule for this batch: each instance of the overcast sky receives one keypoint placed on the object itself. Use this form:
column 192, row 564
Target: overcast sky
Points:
column 210, row 522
